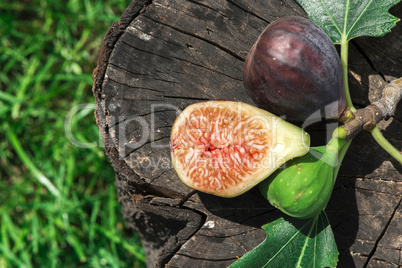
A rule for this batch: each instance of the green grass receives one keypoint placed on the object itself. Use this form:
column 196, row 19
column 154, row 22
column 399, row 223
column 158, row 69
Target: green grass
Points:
column 58, row 202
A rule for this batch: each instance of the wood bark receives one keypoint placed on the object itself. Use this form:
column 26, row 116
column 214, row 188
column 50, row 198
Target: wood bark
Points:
column 166, row 54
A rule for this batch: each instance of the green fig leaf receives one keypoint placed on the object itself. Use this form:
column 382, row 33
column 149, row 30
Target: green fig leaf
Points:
column 295, row 243
column 347, row 19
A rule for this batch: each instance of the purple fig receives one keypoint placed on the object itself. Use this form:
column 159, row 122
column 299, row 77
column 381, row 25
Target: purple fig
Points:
column 294, row 70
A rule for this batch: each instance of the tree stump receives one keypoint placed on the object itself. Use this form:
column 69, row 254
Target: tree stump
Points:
column 167, row 54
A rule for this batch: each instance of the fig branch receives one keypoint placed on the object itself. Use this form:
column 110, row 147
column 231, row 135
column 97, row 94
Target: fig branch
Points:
column 368, row 117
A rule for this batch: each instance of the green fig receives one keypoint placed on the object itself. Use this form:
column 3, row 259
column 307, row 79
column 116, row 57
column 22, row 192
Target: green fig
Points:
column 304, row 187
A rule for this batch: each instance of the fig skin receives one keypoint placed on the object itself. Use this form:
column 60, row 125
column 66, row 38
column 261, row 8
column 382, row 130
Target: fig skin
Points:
column 303, row 189
column 294, row 70
column 225, row 148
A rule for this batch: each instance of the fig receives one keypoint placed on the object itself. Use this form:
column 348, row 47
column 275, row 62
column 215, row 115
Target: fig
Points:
column 304, row 187
column 294, row 70
column 227, row 147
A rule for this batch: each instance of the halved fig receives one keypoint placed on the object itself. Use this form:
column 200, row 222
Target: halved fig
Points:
column 227, row 147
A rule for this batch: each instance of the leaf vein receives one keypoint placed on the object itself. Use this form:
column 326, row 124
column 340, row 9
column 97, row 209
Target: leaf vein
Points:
column 306, row 242
column 285, row 245
column 330, row 16
column 360, row 15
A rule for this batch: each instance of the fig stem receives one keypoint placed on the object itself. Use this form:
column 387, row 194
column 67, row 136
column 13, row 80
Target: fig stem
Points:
column 339, row 133
column 384, row 143
column 341, row 155
column 337, row 148
column 344, row 62
column 368, row 117
column 334, row 151
column 335, row 145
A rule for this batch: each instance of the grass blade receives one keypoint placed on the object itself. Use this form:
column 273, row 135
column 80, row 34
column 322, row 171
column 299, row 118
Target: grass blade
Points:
column 31, row 166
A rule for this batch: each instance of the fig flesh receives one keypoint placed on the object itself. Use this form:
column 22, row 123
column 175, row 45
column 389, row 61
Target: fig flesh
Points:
column 227, row 147
column 294, row 70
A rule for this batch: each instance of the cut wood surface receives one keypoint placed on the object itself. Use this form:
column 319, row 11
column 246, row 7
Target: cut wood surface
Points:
column 167, row 54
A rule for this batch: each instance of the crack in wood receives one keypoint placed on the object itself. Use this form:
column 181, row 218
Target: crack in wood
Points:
column 160, row 175
column 388, row 246
column 126, row 70
column 379, row 179
column 335, row 227
column 206, row 259
column 180, row 59
column 371, row 254
column 166, row 259
column 161, row 127
column 135, row 87
column 298, row 11
column 182, row 97
column 194, row 220
column 356, row 177
column 248, row 11
column 146, row 143
column 225, row 236
column 231, row 53
column 134, row 28
column 114, row 97
column 207, row 68
column 142, row 74
column 146, row 51
column 269, row 211
column 367, row 59
column 174, row 10
column 371, row 191
column 139, row 115
column 210, row 8
column 397, row 265
column 187, row 197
